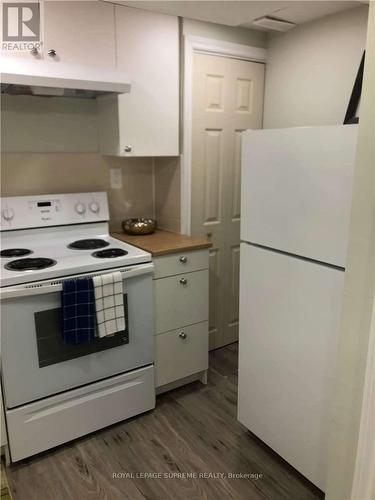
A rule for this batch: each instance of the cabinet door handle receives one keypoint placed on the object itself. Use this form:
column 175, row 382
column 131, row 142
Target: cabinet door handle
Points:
column 34, row 51
column 183, row 281
column 183, row 259
column 128, row 149
column 52, row 53
column 182, row 335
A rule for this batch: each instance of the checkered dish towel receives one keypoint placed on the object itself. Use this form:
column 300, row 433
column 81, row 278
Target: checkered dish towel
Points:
column 109, row 304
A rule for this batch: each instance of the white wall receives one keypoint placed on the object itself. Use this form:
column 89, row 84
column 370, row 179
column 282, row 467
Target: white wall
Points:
column 345, row 455
column 48, row 124
column 311, row 70
column 225, row 33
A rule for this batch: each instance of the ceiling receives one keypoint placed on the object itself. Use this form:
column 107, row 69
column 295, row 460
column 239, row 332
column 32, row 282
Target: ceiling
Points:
column 242, row 13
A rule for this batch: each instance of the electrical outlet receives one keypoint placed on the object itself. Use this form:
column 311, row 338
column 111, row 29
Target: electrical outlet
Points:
column 116, row 178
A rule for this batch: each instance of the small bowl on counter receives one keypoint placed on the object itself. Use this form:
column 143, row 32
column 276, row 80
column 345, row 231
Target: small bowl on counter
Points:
column 139, row 226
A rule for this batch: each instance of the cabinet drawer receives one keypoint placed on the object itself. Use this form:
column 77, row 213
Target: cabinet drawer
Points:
column 178, row 356
column 181, row 300
column 177, row 263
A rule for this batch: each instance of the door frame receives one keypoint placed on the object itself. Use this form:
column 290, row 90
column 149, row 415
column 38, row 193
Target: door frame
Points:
column 191, row 45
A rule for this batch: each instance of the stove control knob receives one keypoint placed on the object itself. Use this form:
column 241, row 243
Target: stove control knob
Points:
column 80, row 208
column 94, row 207
column 8, row 213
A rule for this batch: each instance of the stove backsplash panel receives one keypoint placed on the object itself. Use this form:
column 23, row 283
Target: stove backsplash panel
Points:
column 48, row 173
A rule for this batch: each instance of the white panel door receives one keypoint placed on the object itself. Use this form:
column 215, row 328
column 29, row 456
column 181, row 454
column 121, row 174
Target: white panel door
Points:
column 227, row 99
column 297, row 188
column 289, row 322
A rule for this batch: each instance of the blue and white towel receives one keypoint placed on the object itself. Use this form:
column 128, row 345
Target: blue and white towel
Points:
column 109, row 303
column 78, row 310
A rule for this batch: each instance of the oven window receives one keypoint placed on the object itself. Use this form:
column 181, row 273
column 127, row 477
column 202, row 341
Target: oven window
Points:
column 51, row 346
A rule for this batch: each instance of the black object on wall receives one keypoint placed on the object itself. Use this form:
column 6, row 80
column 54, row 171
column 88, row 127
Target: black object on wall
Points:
column 350, row 116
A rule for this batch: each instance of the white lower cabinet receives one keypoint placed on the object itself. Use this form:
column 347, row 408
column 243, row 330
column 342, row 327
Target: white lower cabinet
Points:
column 181, row 353
column 171, row 265
column 181, row 310
column 181, row 300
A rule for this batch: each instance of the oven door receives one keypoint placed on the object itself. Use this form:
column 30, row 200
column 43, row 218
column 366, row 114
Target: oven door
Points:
column 35, row 361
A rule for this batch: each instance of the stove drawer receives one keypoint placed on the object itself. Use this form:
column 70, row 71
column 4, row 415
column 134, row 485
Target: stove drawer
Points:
column 52, row 421
column 181, row 300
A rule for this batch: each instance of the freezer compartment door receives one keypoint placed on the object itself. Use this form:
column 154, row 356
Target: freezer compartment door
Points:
column 289, row 322
column 296, row 190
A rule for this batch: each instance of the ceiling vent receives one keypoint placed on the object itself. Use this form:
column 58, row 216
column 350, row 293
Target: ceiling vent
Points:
column 273, row 24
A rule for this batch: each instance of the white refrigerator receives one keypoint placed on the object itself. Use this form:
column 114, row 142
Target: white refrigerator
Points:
column 295, row 211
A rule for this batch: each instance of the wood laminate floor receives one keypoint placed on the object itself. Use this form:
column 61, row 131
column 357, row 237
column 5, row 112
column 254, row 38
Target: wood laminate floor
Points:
column 193, row 430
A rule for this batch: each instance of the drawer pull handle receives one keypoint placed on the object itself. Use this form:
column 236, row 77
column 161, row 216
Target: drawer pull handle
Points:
column 182, row 335
column 183, row 281
column 183, row 259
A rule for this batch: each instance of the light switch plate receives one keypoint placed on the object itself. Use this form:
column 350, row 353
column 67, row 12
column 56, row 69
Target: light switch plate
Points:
column 116, row 178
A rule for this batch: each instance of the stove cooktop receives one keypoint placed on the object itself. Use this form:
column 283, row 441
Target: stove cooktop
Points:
column 52, row 255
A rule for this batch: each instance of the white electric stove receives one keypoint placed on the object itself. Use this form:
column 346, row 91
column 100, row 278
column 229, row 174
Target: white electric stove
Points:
column 55, row 392
column 59, row 235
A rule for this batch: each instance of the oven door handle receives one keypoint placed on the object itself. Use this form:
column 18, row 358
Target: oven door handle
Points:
column 53, row 286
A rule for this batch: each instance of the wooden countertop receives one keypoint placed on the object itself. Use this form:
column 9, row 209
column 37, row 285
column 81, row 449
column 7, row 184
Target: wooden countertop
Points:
column 163, row 242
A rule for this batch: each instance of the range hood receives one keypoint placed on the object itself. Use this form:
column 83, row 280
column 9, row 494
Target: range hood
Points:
column 55, row 79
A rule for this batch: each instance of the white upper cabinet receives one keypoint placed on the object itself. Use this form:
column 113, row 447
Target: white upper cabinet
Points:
column 79, row 33
column 143, row 45
column 144, row 122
